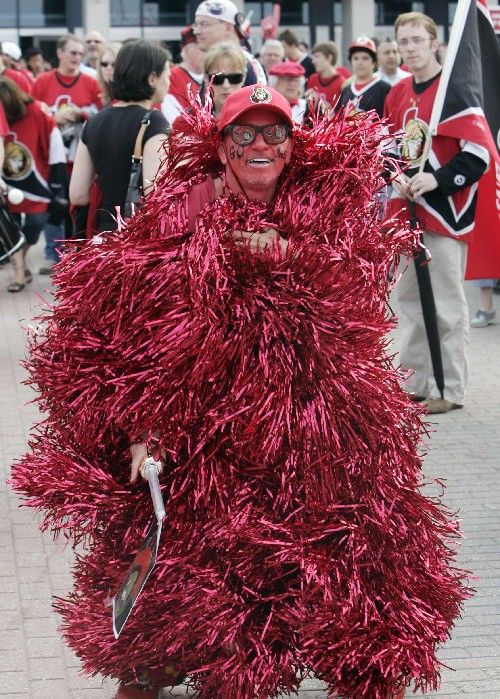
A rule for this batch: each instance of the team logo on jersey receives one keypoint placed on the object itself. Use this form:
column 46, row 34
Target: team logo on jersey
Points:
column 411, row 148
column 260, row 95
column 18, row 160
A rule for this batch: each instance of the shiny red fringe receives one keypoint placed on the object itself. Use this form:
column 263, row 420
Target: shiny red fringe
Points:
column 297, row 540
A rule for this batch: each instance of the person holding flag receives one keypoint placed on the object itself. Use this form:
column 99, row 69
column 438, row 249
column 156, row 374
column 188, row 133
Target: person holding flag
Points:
column 440, row 187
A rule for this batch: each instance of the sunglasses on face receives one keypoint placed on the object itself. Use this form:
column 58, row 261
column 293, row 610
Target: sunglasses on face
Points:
column 245, row 134
column 232, row 78
column 105, row 64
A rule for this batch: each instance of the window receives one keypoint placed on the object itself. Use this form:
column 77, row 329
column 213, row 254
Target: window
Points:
column 8, row 13
column 388, row 10
column 130, row 13
column 40, row 13
column 126, row 13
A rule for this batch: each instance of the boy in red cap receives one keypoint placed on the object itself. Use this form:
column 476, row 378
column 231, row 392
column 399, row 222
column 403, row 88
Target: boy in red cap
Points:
column 288, row 79
column 366, row 91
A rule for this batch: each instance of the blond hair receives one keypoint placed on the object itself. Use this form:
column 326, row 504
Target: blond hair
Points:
column 418, row 19
column 225, row 49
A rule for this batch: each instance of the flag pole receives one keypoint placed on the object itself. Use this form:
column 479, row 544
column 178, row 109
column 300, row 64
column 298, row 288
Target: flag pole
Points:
column 421, row 261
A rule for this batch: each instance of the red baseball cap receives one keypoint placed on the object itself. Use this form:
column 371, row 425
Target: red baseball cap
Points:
column 363, row 43
column 251, row 97
column 287, row 69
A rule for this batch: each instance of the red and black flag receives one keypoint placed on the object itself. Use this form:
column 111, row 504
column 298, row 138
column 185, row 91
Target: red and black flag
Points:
column 467, row 106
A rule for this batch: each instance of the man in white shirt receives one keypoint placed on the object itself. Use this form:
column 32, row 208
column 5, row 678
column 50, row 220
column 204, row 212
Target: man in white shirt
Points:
column 389, row 60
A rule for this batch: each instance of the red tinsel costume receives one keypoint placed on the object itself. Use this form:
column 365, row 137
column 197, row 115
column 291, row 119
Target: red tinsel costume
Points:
column 296, row 538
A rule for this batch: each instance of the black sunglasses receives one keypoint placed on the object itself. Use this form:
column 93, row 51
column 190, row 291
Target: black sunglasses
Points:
column 232, row 78
column 245, row 134
column 105, row 64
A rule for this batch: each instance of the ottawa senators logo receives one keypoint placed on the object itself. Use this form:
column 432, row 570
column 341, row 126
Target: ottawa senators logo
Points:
column 416, row 133
column 18, row 161
column 260, row 95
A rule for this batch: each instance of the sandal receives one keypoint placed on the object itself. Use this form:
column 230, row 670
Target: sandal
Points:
column 14, row 287
column 28, row 276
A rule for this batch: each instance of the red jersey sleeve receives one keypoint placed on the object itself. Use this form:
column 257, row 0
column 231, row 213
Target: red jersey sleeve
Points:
column 4, row 126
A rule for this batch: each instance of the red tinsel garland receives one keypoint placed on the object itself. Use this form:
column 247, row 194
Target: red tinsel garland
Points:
column 297, row 540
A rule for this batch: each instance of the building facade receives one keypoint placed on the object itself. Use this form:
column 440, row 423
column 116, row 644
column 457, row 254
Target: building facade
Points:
column 41, row 22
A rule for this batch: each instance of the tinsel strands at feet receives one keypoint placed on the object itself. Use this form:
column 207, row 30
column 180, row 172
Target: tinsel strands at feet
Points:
column 297, row 540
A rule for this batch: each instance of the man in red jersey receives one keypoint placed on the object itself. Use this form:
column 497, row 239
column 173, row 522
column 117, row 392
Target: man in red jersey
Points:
column 329, row 79
column 71, row 96
column 444, row 194
column 185, row 79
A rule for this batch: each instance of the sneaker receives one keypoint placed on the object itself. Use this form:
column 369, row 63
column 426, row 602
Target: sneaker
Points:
column 437, row 406
column 482, row 319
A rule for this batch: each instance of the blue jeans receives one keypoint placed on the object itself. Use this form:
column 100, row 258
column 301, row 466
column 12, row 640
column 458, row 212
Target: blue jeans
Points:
column 54, row 234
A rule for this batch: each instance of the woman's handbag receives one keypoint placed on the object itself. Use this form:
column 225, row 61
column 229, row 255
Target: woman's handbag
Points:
column 134, row 190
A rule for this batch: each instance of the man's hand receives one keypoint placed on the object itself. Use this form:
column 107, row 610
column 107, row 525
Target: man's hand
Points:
column 139, row 452
column 69, row 115
column 421, row 183
column 401, row 184
column 264, row 240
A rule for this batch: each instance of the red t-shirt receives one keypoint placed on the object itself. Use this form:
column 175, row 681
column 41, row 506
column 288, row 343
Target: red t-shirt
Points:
column 330, row 89
column 20, row 79
column 180, row 81
column 59, row 91
column 4, row 126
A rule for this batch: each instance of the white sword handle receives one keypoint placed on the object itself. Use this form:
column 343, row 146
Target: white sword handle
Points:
column 150, row 470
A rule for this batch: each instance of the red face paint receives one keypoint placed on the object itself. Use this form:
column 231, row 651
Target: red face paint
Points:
column 255, row 168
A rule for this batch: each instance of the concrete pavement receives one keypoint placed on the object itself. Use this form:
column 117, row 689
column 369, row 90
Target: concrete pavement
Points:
column 464, row 450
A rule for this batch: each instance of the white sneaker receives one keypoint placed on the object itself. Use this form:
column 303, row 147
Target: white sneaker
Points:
column 482, row 319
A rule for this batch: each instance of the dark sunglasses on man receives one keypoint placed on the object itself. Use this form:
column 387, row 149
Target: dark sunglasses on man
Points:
column 232, row 78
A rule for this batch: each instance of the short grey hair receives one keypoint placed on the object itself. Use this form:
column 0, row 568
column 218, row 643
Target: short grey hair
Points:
column 273, row 44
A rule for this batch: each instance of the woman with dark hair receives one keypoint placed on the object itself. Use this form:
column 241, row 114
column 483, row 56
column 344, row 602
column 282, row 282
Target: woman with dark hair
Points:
column 35, row 163
column 105, row 151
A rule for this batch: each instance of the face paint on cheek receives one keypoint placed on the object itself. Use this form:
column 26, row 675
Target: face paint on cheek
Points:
column 236, row 152
column 282, row 153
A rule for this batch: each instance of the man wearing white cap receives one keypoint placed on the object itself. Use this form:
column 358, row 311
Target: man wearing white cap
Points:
column 9, row 56
column 220, row 20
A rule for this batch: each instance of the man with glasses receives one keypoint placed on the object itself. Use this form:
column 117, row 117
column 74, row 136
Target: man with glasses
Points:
column 258, row 371
column 220, row 20
column 94, row 43
column 389, row 61
column 444, row 196
column 72, row 97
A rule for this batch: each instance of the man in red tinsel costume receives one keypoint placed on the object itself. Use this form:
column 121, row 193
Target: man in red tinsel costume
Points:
column 241, row 325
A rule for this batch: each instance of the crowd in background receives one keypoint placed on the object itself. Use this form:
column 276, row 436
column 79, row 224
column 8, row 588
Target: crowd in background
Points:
column 80, row 119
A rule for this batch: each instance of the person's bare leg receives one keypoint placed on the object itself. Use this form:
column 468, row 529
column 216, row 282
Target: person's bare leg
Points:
column 486, row 299
column 18, row 263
